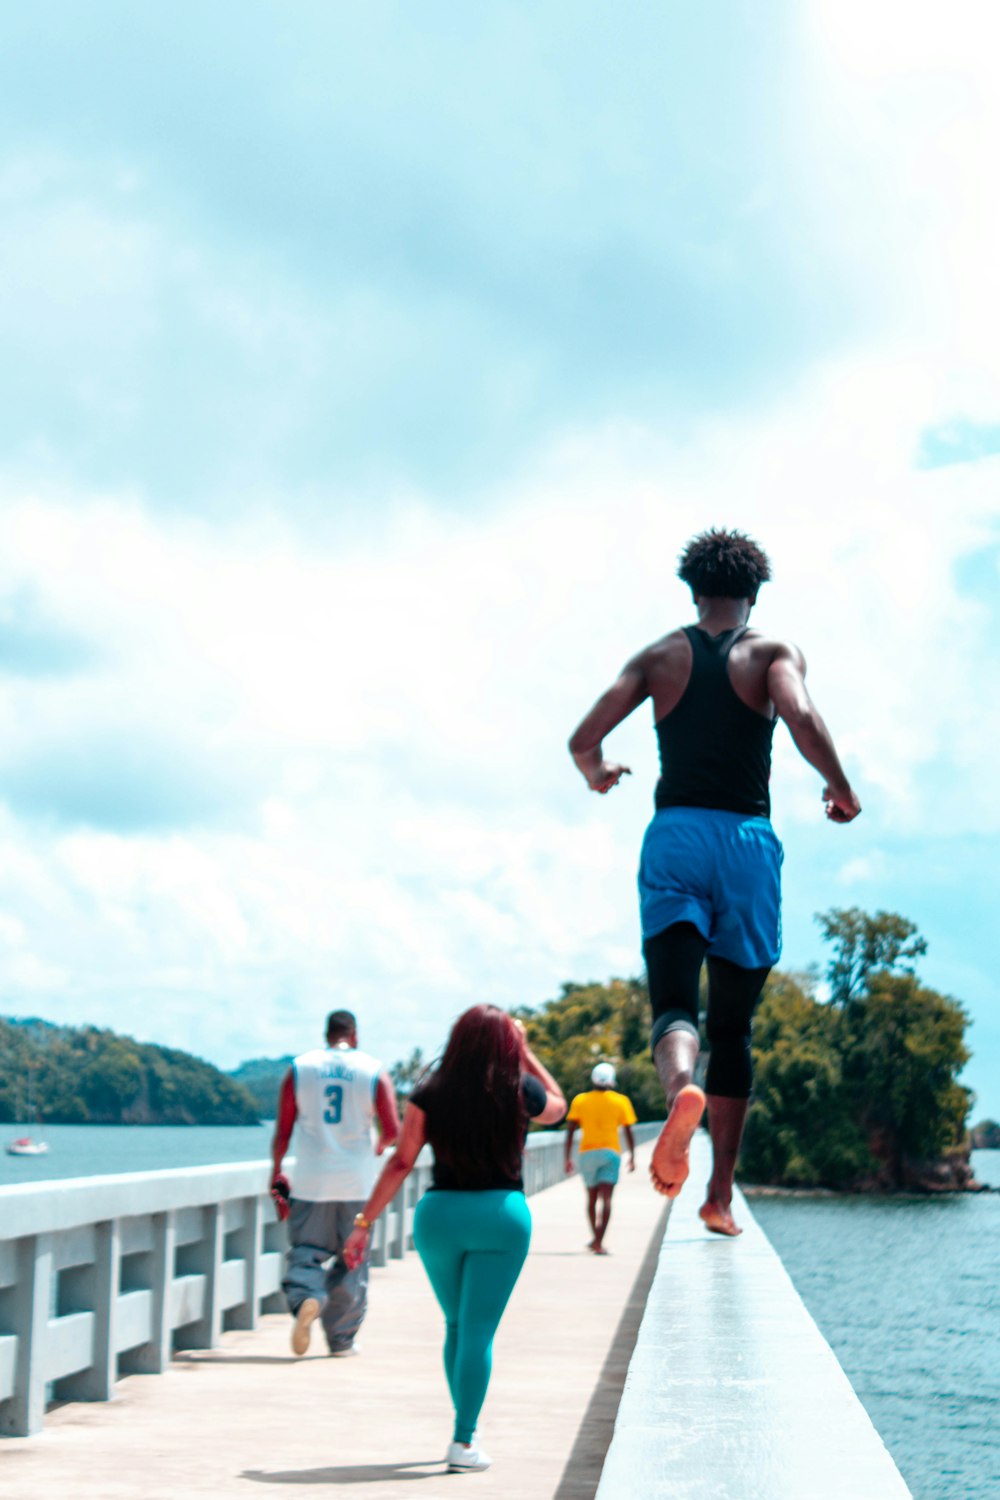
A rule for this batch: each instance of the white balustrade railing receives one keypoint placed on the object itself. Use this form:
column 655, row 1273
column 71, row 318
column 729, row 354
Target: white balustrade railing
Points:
column 108, row 1276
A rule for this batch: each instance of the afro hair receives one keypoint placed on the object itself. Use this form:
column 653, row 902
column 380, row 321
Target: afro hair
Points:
column 724, row 565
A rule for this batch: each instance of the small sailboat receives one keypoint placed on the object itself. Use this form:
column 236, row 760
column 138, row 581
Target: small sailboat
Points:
column 26, row 1145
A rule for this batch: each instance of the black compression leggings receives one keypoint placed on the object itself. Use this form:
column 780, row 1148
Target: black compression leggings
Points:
column 673, row 963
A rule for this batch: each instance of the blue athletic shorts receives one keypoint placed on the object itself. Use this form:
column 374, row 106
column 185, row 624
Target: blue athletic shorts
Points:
column 601, row 1165
column 719, row 870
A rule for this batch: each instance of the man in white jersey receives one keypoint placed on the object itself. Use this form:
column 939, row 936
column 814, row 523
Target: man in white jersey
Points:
column 332, row 1098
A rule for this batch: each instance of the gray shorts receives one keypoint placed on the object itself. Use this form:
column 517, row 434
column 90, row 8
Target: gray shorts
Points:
column 600, row 1167
column 316, row 1268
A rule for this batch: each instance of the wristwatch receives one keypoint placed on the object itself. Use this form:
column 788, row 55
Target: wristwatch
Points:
column 360, row 1222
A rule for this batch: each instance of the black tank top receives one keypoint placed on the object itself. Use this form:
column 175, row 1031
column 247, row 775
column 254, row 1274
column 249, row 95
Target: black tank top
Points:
column 714, row 750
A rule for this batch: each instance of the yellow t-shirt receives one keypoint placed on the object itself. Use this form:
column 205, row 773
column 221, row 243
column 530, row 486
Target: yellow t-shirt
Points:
column 599, row 1115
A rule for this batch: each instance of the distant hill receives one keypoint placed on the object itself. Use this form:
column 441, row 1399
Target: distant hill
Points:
column 261, row 1077
column 985, row 1136
column 87, row 1076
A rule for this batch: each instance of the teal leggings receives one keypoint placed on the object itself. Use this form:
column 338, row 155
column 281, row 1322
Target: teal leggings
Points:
column 473, row 1246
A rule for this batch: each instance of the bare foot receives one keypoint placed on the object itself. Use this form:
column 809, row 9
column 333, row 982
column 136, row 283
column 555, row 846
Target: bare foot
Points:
column 599, row 1250
column 669, row 1166
column 308, row 1312
column 718, row 1218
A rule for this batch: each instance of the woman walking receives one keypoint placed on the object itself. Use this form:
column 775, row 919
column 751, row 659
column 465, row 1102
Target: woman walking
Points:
column 472, row 1228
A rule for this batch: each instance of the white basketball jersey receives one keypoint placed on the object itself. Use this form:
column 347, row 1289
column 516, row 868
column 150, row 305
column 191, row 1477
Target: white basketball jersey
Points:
column 334, row 1140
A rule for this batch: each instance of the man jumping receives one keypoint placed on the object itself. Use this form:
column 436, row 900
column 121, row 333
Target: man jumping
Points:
column 710, row 868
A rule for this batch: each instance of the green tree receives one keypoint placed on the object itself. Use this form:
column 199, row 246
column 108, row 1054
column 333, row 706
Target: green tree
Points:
column 404, row 1075
column 863, row 1091
column 802, row 1129
column 906, row 1052
column 864, row 945
column 592, row 1023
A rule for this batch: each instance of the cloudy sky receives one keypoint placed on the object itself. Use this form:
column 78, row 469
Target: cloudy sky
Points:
column 365, row 369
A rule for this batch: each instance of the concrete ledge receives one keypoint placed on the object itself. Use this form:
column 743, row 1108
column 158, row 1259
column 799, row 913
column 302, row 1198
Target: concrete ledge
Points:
column 732, row 1392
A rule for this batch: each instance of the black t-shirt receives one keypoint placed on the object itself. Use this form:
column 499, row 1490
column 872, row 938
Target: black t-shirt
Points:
column 493, row 1177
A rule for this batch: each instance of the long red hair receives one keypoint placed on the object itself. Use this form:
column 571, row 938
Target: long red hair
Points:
column 478, row 1116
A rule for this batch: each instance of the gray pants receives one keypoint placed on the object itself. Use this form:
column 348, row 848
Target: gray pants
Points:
column 315, row 1268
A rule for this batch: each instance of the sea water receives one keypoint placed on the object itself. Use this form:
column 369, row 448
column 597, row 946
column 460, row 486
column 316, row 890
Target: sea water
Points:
column 94, row 1150
column 907, row 1292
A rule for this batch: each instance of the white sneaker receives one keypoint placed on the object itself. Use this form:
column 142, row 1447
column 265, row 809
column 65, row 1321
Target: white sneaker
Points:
column 346, row 1352
column 466, row 1460
column 306, row 1316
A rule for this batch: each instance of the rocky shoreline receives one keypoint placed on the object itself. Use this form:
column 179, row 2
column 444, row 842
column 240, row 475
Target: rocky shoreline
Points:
column 751, row 1190
column 903, row 1178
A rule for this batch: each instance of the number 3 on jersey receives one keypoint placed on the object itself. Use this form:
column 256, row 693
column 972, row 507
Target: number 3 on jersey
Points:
column 335, row 1095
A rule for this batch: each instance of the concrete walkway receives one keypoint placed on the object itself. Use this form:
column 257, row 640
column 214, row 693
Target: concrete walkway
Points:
column 249, row 1420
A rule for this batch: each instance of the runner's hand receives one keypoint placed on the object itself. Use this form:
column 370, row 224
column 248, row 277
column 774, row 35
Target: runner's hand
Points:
column 606, row 776
column 631, row 1164
column 569, row 1169
column 841, row 807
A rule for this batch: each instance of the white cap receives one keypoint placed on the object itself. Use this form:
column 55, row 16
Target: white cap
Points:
column 604, row 1076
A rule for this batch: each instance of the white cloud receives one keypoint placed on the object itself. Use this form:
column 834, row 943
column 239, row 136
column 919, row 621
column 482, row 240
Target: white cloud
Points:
column 413, row 835
column 400, row 826
column 863, row 871
column 913, row 92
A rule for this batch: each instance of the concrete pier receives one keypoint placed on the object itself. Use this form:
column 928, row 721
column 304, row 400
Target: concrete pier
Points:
column 105, row 1276
column 679, row 1367
column 247, row 1419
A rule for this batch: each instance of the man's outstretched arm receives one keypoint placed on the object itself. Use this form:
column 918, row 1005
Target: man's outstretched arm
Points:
column 586, row 741
column 787, row 688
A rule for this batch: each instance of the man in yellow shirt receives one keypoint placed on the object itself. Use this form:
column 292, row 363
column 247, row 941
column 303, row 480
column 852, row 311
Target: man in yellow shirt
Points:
column 600, row 1114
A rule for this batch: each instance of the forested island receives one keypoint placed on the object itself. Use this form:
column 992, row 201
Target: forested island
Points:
column 81, row 1075
column 985, row 1136
column 856, row 1090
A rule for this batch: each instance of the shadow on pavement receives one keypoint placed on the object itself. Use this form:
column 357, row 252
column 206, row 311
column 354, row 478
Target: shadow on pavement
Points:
column 349, row 1474
column 214, row 1357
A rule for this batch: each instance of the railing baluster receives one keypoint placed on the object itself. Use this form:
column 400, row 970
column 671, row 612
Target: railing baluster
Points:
column 249, row 1241
column 99, row 1289
column 206, row 1332
column 25, row 1411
